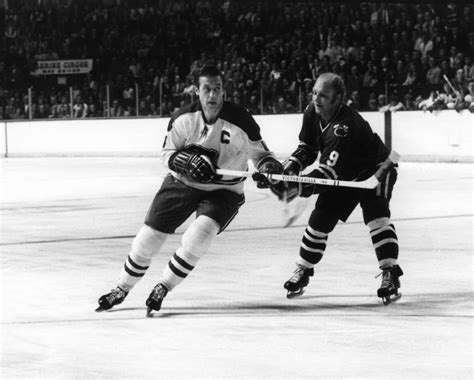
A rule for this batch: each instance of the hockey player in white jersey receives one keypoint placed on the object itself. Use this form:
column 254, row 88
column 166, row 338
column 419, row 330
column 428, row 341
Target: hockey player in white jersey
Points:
column 201, row 137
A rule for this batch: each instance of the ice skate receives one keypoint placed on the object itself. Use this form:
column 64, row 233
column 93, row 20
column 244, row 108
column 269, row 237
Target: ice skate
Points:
column 298, row 281
column 109, row 300
column 388, row 290
column 155, row 298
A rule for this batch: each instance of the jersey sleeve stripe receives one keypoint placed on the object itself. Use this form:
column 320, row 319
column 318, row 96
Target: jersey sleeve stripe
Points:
column 329, row 172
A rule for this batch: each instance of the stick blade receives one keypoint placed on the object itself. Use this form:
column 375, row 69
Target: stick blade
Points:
column 292, row 211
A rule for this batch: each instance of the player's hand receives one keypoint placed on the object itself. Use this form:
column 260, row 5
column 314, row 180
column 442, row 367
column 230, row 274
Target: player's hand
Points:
column 307, row 189
column 268, row 166
column 201, row 168
column 291, row 167
column 197, row 166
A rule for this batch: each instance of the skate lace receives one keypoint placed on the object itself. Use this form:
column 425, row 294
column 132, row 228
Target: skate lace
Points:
column 297, row 275
column 158, row 292
column 386, row 278
column 115, row 294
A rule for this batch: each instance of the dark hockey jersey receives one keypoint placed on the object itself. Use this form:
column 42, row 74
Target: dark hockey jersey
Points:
column 349, row 149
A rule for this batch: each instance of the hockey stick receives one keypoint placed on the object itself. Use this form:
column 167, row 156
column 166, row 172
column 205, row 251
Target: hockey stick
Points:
column 450, row 84
column 369, row 183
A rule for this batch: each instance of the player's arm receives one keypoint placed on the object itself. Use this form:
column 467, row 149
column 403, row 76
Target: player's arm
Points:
column 308, row 147
column 301, row 158
column 183, row 159
column 265, row 162
column 332, row 161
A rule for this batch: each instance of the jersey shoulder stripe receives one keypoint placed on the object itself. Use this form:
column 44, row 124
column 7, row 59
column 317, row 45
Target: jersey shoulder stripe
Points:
column 242, row 118
column 190, row 108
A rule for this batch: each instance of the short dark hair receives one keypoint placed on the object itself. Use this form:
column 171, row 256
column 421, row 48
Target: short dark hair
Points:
column 209, row 71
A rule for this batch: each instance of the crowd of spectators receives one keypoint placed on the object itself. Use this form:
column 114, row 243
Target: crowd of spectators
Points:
column 392, row 56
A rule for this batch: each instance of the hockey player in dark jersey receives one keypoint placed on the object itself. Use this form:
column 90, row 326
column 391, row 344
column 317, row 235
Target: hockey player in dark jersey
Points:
column 202, row 137
column 349, row 150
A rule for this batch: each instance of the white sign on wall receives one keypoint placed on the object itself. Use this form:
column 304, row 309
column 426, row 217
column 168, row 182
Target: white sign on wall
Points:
column 61, row 67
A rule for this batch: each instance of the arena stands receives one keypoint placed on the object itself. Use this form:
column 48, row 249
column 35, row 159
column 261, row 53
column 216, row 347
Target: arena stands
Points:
column 138, row 57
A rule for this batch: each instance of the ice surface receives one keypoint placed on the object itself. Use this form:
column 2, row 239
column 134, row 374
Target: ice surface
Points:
column 66, row 228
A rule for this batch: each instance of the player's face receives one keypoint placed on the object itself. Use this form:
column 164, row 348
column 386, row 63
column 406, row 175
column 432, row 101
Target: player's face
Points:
column 211, row 95
column 325, row 100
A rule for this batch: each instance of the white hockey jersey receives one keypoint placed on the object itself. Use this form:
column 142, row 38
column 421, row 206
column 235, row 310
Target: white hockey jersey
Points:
column 230, row 142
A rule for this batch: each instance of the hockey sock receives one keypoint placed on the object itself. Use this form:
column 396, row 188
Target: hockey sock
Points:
column 312, row 247
column 145, row 245
column 385, row 241
column 194, row 244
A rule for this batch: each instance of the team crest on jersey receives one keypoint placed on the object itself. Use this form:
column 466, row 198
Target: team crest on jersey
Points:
column 341, row 130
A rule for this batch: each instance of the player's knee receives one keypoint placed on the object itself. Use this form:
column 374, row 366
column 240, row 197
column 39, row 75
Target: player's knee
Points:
column 148, row 242
column 322, row 221
column 199, row 235
column 377, row 223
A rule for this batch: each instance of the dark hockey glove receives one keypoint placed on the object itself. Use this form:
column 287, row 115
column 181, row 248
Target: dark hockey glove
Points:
column 291, row 167
column 308, row 189
column 272, row 166
column 268, row 165
column 197, row 166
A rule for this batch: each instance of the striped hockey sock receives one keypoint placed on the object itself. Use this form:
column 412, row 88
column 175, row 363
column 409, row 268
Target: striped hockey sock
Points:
column 312, row 247
column 385, row 241
column 178, row 268
column 133, row 270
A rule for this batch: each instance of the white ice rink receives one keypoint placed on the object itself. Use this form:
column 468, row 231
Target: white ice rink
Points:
column 66, row 228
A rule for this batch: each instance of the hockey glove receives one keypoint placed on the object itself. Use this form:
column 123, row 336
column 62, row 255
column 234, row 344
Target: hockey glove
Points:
column 197, row 166
column 291, row 167
column 269, row 165
column 307, row 189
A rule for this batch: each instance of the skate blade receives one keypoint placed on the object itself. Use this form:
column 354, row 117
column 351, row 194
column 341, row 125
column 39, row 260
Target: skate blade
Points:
column 100, row 309
column 391, row 299
column 291, row 294
column 149, row 312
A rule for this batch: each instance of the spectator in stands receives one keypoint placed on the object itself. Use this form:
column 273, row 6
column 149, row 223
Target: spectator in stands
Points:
column 253, row 106
column 93, row 111
column 142, row 51
column 427, row 104
column 381, row 101
column 372, row 105
column 433, row 75
column 64, row 108
column 408, row 102
column 354, row 100
column 116, row 110
column 400, row 73
column 469, row 69
column 393, row 105
column 460, row 83
column 424, row 44
column 80, row 108
column 43, row 112
column 281, row 106
column 354, row 80
column 412, row 77
column 371, row 76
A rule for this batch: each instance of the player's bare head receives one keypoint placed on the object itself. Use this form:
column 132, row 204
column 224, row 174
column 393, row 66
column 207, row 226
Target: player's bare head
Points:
column 209, row 72
column 210, row 91
column 332, row 82
column 328, row 93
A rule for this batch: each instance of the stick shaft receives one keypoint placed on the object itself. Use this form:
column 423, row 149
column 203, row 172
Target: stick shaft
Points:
column 449, row 83
column 369, row 183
